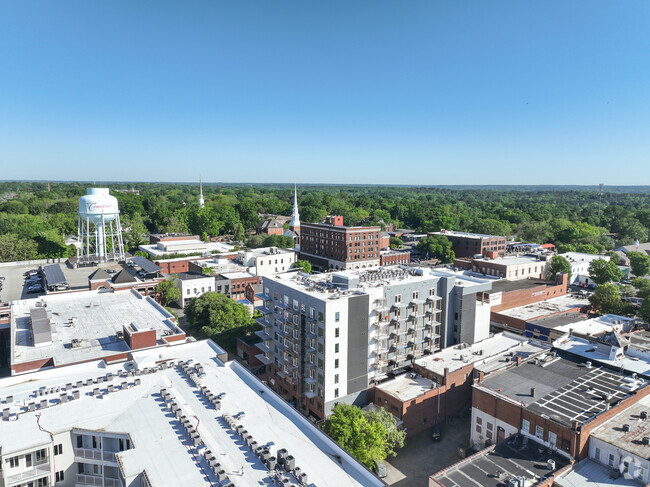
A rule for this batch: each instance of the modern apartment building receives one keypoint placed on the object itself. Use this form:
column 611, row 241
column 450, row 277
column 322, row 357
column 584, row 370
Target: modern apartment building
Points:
column 330, row 245
column 327, row 337
column 466, row 244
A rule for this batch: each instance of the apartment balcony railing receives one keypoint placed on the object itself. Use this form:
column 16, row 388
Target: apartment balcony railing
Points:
column 31, row 473
column 98, row 480
column 95, row 454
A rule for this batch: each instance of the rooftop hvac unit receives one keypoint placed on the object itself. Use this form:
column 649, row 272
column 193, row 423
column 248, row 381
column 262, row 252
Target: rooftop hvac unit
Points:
column 626, row 428
column 646, row 441
column 643, row 415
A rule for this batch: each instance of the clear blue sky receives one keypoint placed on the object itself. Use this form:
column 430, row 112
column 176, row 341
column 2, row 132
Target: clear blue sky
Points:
column 403, row 92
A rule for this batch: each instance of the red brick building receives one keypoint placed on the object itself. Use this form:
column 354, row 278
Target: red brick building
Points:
column 394, row 257
column 507, row 294
column 469, row 244
column 330, row 245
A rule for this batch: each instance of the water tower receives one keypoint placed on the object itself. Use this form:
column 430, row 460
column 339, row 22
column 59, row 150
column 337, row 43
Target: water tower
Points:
column 100, row 232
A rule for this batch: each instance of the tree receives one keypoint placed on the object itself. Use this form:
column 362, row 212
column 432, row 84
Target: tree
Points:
column 437, row 246
column 558, row 265
column 13, row 248
column 213, row 313
column 606, row 299
column 586, row 249
column 168, row 291
column 613, row 256
column 644, row 312
column 643, row 286
column 396, row 243
column 395, row 437
column 640, row 263
column 239, row 235
column 602, row 271
column 349, row 427
column 304, row 265
column 134, row 235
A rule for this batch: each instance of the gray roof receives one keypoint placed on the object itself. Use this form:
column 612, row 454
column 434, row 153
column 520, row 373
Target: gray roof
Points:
column 145, row 264
column 123, row 277
column 589, row 473
column 510, row 458
column 503, row 285
column 53, row 274
column 99, row 275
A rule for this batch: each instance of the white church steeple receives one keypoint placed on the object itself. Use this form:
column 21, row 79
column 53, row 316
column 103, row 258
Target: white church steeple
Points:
column 295, row 216
column 201, row 201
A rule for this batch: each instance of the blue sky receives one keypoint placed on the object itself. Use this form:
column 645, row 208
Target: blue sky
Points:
column 417, row 92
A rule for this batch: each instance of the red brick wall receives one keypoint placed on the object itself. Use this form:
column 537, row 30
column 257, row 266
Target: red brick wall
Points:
column 251, row 351
column 32, row 366
column 139, row 339
column 174, row 338
column 395, row 259
column 535, row 294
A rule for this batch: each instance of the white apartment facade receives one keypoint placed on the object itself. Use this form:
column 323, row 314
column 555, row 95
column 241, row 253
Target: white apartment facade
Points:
column 579, row 263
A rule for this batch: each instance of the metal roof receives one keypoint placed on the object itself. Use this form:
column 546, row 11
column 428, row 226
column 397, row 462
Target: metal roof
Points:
column 145, row 264
column 54, row 274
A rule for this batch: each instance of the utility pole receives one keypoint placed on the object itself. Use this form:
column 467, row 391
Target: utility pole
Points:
column 600, row 197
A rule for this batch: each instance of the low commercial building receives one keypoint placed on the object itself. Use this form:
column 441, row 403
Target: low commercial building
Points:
column 512, row 267
column 172, row 416
column 70, row 328
column 233, row 284
column 537, row 319
column 192, row 286
column 506, row 294
column 394, row 257
column 465, row 244
column 579, row 263
column 440, row 385
column 261, row 262
column 183, row 245
column 519, row 461
column 552, row 400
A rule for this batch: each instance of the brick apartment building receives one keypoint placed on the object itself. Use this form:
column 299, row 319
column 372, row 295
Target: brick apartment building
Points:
column 469, row 244
column 394, row 257
column 332, row 245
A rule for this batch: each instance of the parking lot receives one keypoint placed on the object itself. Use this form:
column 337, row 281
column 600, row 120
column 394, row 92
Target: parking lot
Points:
column 422, row 456
column 14, row 287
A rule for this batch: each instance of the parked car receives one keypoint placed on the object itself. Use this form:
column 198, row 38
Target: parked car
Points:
column 436, row 434
column 35, row 289
column 379, row 468
column 2, row 278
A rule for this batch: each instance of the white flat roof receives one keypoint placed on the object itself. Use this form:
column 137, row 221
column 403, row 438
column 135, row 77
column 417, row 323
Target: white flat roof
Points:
column 596, row 326
column 94, row 317
column 406, row 387
column 237, row 275
column 520, row 260
column 168, row 458
column 582, row 257
column 452, row 358
column 544, row 308
column 185, row 247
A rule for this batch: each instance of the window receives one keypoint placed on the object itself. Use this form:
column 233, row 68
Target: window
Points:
column 489, row 425
column 13, row 462
column 479, row 430
column 337, row 316
column 336, row 332
column 597, row 454
column 336, row 363
column 398, row 298
column 336, row 348
column 415, row 295
column 539, row 432
column 336, row 392
column 552, row 438
column 525, row 426
column 28, row 460
column 59, row 476
column 479, row 420
column 611, row 460
column 41, row 455
column 320, row 348
column 320, row 363
column 80, row 441
column 336, row 378
column 320, row 316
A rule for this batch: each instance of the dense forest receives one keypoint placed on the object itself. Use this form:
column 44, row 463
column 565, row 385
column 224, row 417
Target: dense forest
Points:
column 34, row 221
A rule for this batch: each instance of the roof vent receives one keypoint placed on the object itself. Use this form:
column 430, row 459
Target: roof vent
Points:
column 646, row 440
column 643, row 415
column 626, row 428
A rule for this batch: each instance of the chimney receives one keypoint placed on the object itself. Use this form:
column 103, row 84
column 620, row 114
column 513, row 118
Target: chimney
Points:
column 532, row 392
column 518, row 360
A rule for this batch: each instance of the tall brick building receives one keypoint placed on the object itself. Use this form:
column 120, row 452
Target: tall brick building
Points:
column 332, row 245
column 466, row 244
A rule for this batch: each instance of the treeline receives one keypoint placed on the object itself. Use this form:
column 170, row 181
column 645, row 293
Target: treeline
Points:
column 34, row 221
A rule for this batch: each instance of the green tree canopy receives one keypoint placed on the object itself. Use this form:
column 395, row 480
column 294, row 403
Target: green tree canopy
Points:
column 12, row 247
column 606, row 299
column 644, row 312
column 304, row 265
column 396, row 242
column 395, row 437
column 643, row 286
column 602, row 271
column 168, row 291
column 364, row 439
column 640, row 263
column 213, row 313
column 557, row 265
column 437, row 246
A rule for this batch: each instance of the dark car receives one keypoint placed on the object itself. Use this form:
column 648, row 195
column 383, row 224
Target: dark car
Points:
column 379, row 468
column 436, row 434
column 34, row 289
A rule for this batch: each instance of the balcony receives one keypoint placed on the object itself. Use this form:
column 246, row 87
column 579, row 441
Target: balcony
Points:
column 33, row 472
column 98, row 480
column 263, row 335
column 95, row 454
column 263, row 357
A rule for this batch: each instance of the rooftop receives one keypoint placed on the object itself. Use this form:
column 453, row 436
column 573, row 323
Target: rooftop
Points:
column 93, row 317
column 129, row 400
column 184, row 247
column 406, row 386
column 512, row 260
column 564, row 390
column 451, row 233
column 503, row 285
column 559, row 321
column 614, row 431
column 599, row 325
column 582, row 257
column 188, row 276
column 544, row 308
column 237, row 275
column 480, row 353
column 589, row 473
column 494, row 466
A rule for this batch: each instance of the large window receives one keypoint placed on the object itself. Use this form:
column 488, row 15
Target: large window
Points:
column 525, row 426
